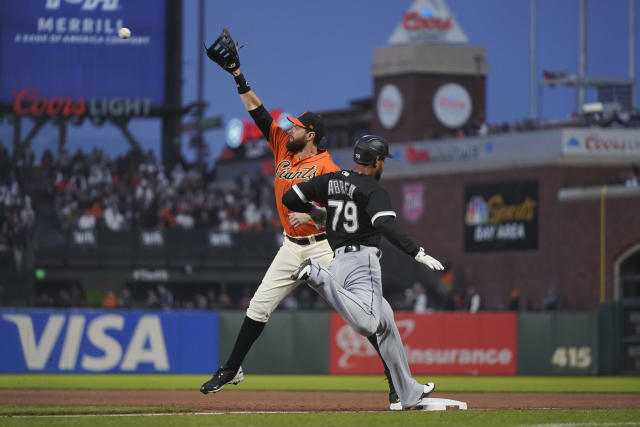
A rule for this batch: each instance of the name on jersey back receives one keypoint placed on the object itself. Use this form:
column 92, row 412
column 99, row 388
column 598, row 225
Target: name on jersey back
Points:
column 338, row 186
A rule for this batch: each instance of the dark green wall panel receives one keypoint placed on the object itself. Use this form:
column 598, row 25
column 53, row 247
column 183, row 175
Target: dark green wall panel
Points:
column 557, row 343
column 291, row 343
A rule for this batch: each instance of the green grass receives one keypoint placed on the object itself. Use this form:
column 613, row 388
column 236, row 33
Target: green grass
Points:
column 19, row 410
column 323, row 383
column 383, row 419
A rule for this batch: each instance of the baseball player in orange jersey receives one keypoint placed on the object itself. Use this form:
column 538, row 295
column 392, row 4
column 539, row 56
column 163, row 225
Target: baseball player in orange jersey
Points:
column 297, row 159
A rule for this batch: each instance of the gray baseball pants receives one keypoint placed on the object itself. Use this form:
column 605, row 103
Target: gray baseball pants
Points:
column 352, row 285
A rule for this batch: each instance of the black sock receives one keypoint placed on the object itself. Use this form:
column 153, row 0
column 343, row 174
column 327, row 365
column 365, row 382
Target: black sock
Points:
column 374, row 342
column 249, row 332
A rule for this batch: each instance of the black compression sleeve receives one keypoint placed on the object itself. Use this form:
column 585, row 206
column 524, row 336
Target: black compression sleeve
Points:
column 292, row 201
column 241, row 84
column 263, row 120
column 391, row 230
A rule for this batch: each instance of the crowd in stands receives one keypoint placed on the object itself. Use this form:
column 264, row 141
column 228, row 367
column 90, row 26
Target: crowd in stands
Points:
column 606, row 119
column 164, row 297
column 17, row 215
column 134, row 191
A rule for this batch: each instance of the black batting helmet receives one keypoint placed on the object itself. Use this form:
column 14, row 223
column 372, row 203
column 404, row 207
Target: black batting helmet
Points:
column 370, row 147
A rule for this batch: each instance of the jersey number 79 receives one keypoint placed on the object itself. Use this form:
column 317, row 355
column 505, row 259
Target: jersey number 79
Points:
column 347, row 209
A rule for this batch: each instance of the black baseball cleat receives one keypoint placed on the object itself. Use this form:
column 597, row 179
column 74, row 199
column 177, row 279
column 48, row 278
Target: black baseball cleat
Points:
column 221, row 378
column 394, row 400
column 302, row 272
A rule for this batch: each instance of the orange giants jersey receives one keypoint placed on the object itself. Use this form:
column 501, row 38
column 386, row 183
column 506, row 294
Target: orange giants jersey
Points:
column 289, row 171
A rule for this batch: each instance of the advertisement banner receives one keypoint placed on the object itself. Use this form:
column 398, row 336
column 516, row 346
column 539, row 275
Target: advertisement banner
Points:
column 84, row 341
column 435, row 343
column 596, row 142
column 65, row 56
column 428, row 21
column 412, row 202
column 501, row 216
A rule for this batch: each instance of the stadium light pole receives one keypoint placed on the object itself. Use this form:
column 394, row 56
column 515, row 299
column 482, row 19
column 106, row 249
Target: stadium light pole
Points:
column 200, row 115
column 533, row 92
column 173, row 84
column 632, row 51
column 582, row 56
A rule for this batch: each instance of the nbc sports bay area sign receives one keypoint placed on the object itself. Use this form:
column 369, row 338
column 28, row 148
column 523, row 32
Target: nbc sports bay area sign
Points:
column 501, row 216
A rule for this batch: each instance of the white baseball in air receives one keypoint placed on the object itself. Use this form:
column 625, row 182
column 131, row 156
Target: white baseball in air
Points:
column 124, row 33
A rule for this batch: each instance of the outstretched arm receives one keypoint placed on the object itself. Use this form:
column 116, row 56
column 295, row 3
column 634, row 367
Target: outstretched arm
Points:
column 224, row 52
column 388, row 227
column 252, row 103
column 249, row 98
column 394, row 234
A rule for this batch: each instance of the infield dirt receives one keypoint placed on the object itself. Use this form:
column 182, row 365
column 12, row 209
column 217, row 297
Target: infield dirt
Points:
column 237, row 400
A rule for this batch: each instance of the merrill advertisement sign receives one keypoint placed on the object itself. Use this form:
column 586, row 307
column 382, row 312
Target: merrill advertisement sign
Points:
column 438, row 343
column 68, row 53
column 501, row 217
column 68, row 341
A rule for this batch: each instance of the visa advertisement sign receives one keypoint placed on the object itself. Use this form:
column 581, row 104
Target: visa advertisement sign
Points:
column 437, row 343
column 70, row 341
column 66, row 52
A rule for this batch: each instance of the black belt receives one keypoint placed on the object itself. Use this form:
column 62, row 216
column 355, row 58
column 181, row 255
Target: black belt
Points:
column 356, row 248
column 307, row 240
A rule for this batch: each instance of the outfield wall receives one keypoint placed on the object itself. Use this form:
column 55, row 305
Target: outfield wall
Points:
column 291, row 342
column 558, row 343
column 105, row 341
column 319, row 342
column 435, row 343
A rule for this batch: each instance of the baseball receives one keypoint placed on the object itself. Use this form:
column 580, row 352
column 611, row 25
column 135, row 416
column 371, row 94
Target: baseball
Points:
column 124, row 33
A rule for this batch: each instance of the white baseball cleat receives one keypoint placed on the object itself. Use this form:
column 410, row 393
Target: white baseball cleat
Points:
column 428, row 389
column 420, row 406
column 302, row 272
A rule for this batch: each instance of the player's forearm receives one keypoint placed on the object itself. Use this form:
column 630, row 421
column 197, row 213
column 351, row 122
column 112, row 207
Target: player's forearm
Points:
column 293, row 202
column 248, row 97
column 388, row 227
column 250, row 100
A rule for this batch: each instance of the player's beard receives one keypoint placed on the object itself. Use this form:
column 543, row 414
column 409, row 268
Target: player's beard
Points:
column 296, row 145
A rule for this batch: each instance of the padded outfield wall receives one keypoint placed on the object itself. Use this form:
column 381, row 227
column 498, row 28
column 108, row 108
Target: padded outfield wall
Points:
column 117, row 341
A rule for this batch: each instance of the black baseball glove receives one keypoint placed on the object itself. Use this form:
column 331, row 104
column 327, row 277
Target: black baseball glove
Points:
column 224, row 52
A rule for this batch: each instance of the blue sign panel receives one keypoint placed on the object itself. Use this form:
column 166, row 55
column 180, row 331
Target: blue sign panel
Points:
column 108, row 341
column 70, row 48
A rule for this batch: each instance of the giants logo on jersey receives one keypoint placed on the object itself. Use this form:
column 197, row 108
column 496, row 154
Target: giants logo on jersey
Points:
column 283, row 171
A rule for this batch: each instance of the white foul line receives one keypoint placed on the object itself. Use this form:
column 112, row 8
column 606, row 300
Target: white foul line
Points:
column 630, row 423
